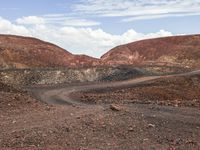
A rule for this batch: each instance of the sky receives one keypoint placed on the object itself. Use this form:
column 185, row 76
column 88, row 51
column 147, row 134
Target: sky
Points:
column 93, row 27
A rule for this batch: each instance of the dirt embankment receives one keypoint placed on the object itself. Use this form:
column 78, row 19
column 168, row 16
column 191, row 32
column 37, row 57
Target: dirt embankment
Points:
column 28, row 77
column 66, row 76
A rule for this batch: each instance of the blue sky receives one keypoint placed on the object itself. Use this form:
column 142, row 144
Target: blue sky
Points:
column 93, row 27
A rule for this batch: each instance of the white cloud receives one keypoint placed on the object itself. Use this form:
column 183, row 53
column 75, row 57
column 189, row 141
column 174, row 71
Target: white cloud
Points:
column 144, row 9
column 7, row 27
column 93, row 42
column 30, row 20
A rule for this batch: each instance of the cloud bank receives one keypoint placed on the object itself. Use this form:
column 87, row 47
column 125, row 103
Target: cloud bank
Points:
column 78, row 40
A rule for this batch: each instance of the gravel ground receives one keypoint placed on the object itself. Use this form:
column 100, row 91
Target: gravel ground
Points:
column 28, row 124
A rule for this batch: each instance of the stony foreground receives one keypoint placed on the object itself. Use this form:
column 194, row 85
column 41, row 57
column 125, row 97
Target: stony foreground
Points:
column 28, row 124
column 100, row 127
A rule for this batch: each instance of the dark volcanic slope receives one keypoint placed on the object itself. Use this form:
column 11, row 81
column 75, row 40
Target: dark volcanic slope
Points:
column 26, row 52
column 181, row 51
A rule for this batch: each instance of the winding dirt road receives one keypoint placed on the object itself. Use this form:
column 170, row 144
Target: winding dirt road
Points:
column 60, row 95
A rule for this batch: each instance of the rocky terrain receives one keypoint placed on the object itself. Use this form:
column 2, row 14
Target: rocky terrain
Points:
column 143, row 95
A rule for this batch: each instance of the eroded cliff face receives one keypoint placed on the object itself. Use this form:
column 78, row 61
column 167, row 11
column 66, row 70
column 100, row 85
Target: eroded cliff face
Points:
column 182, row 51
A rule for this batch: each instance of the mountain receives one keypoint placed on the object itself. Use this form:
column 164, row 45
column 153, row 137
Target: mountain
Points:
column 182, row 51
column 26, row 52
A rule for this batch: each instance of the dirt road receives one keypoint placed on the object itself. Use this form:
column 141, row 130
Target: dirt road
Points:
column 60, row 95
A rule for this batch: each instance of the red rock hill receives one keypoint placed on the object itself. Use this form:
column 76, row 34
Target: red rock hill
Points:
column 26, row 52
column 181, row 51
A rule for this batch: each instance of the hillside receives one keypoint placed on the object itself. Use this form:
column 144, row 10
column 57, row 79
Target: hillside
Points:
column 182, row 51
column 26, row 52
